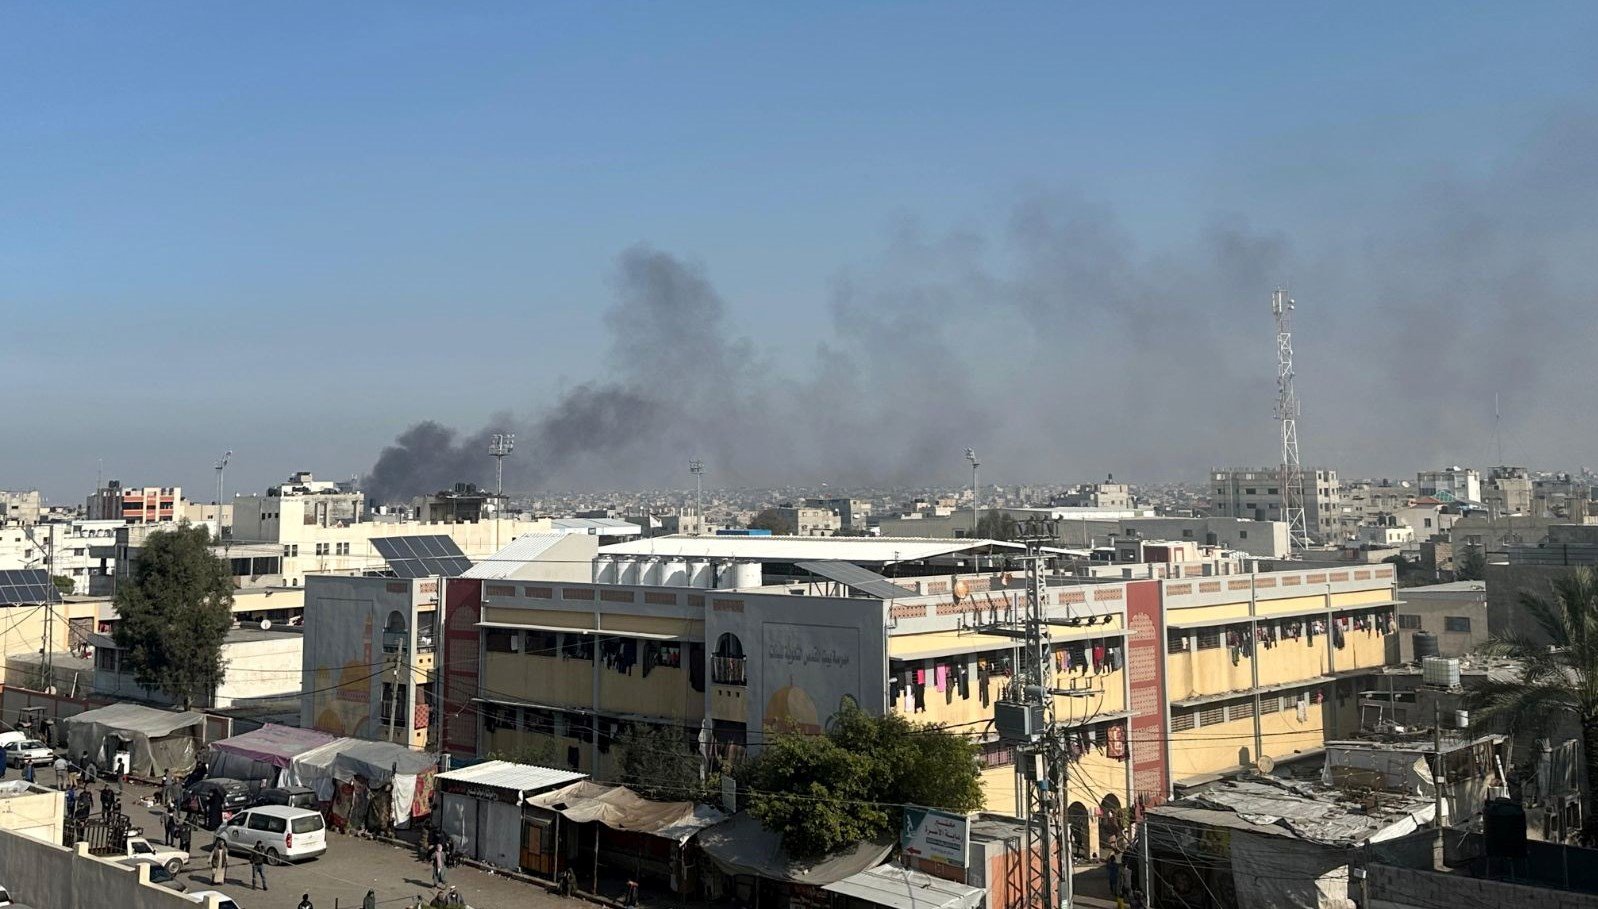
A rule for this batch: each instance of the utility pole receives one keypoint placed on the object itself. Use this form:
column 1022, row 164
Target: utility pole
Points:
column 971, row 455
column 1024, row 718
column 499, row 447
column 221, row 474
column 393, row 692
column 1437, row 758
column 47, row 654
column 1287, row 410
column 697, row 468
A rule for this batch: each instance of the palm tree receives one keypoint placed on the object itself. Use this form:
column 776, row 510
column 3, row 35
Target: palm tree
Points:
column 1559, row 671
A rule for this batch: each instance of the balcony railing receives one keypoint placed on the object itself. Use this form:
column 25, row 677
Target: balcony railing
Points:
column 725, row 670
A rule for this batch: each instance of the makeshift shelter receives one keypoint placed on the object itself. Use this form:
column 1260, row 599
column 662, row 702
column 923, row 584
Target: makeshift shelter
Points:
column 370, row 785
column 754, row 859
column 265, row 753
column 154, row 740
column 480, row 811
column 631, row 834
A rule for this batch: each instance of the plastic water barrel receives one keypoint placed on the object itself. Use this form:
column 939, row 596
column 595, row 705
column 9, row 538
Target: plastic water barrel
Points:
column 1425, row 645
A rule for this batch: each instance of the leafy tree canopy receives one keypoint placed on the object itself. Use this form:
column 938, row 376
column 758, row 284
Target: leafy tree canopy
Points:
column 826, row 792
column 657, row 763
column 996, row 525
column 1471, row 565
column 63, row 584
column 773, row 520
column 174, row 613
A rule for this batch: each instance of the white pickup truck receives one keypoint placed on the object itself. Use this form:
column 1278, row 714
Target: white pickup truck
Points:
column 171, row 859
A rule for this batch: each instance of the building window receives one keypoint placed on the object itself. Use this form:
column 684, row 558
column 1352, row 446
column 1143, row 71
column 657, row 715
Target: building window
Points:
column 321, row 549
column 1249, row 491
column 1240, row 711
column 1181, row 720
column 1457, row 623
column 1408, row 621
column 1187, row 534
column 1242, row 534
column 501, row 640
column 1212, row 716
column 343, row 549
column 1428, row 522
column 1209, row 638
column 1270, row 705
column 1175, row 641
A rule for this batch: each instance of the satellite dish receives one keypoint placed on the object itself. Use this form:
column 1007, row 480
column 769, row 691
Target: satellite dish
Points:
column 1265, row 764
column 266, row 624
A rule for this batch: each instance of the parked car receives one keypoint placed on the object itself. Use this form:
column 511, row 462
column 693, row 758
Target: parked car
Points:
column 290, row 796
column 223, row 900
column 235, row 796
column 158, row 873
column 283, row 833
column 172, row 860
column 5, row 897
column 22, row 752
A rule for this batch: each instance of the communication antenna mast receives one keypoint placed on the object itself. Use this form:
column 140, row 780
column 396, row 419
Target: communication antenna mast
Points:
column 697, row 468
column 221, row 475
column 1287, row 414
column 499, row 447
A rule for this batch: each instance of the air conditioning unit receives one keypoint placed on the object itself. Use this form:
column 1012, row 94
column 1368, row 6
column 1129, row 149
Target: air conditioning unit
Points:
column 1018, row 722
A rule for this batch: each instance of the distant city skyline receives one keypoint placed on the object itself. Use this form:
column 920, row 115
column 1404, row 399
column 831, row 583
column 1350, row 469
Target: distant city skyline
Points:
column 1049, row 232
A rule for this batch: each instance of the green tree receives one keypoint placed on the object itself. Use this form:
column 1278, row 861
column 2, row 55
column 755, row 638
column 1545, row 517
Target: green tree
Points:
column 63, row 584
column 1408, row 571
column 1558, row 672
column 773, row 520
column 996, row 525
column 657, row 763
column 173, row 614
column 826, row 792
column 1471, row 565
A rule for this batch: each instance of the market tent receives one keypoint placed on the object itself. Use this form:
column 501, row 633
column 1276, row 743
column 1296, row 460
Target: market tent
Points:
column 741, row 845
column 155, row 740
column 902, row 888
column 620, row 808
column 265, row 753
column 380, row 764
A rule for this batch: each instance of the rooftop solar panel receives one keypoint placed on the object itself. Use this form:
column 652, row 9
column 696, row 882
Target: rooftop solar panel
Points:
column 27, row 586
column 422, row 556
column 855, row 578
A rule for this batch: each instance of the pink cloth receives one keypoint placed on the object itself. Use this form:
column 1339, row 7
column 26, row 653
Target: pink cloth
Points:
column 943, row 677
column 921, row 676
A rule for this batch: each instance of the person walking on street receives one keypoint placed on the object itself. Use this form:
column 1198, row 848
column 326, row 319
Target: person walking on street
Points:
column 218, row 862
column 305, row 902
column 60, row 767
column 438, row 863
column 370, row 902
column 258, row 866
column 1112, row 867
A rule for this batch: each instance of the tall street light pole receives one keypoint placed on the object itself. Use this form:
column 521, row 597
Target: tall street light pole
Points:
column 221, row 474
column 971, row 455
column 697, row 468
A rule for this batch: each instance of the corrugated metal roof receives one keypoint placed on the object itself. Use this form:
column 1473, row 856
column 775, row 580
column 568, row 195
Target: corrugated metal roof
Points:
column 875, row 550
column 901, row 888
column 518, row 777
column 504, row 563
column 855, row 578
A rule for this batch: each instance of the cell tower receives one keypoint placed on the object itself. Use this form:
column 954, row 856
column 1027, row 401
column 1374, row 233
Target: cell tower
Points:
column 499, row 448
column 1287, row 415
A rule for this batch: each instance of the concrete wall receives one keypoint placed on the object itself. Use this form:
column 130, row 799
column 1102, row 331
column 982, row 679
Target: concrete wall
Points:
column 54, row 877
column 32, row 810
column 1434, row 605
column 1407, row 888
column 1505, row 586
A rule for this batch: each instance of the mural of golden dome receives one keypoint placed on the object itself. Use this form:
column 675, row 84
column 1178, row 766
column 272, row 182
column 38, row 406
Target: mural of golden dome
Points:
column 790, row 709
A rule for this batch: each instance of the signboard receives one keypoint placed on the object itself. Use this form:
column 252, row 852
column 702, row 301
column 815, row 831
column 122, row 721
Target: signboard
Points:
column 933, row 835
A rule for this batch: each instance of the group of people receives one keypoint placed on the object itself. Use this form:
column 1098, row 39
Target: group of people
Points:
column 1122, row 873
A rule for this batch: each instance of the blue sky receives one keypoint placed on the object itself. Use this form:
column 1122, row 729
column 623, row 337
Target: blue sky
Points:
column 294, row 229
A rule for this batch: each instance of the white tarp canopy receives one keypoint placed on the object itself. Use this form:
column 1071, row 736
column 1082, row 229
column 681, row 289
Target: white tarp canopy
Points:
column 381, row 763
column 741, row 845
column 156, row 740
column 902, row 888
column 620, row 808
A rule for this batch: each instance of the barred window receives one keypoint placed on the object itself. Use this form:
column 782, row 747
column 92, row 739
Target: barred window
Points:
column 1240, row 710
column 1405, row 620
column 1209, row 638
column 1175, row 641
column 1270, row 705
column 1212, row 716
column 1181, row 720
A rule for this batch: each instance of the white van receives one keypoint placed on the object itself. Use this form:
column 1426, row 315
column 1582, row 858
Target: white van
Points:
column 223, row 901
column 283, row 833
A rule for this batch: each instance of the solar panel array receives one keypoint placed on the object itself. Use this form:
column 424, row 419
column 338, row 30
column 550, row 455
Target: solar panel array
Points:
column 422, row 557
column 855, row 578
column 29, row 586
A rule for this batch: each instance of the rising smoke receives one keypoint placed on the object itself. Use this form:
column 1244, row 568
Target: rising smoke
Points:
column 1062, row 350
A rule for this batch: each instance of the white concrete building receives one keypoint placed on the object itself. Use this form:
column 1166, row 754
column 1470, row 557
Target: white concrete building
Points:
column 262, row 665
column 1450, row 484
column 1255, row 492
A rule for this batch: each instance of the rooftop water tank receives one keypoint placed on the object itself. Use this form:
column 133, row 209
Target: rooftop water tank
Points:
column 1425, row 645
column 1441, row 672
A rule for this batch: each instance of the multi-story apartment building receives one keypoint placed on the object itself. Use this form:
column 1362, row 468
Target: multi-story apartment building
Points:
column 135, row 504
column 1561, row 495
column 1199, row 671
column 1508, row 491
column 1108, row 495
column 23, row 507
column 853, row 514
column 1256, row 492
column 318, row 527
column 1450, row 484
column 810, row 520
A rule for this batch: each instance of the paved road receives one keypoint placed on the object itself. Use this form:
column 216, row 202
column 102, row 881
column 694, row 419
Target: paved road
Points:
column 351, row 866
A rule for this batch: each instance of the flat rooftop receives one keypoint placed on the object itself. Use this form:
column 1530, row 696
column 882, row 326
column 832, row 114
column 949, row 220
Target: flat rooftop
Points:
column 876, row 550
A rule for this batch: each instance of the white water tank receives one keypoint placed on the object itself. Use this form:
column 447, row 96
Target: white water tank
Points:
column 649, row 574
column 1440, row 671
column 746, row 574
column 628, row 571
column 700, row 574
column 604, row 570
column 674, row 573
column 726, row 578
